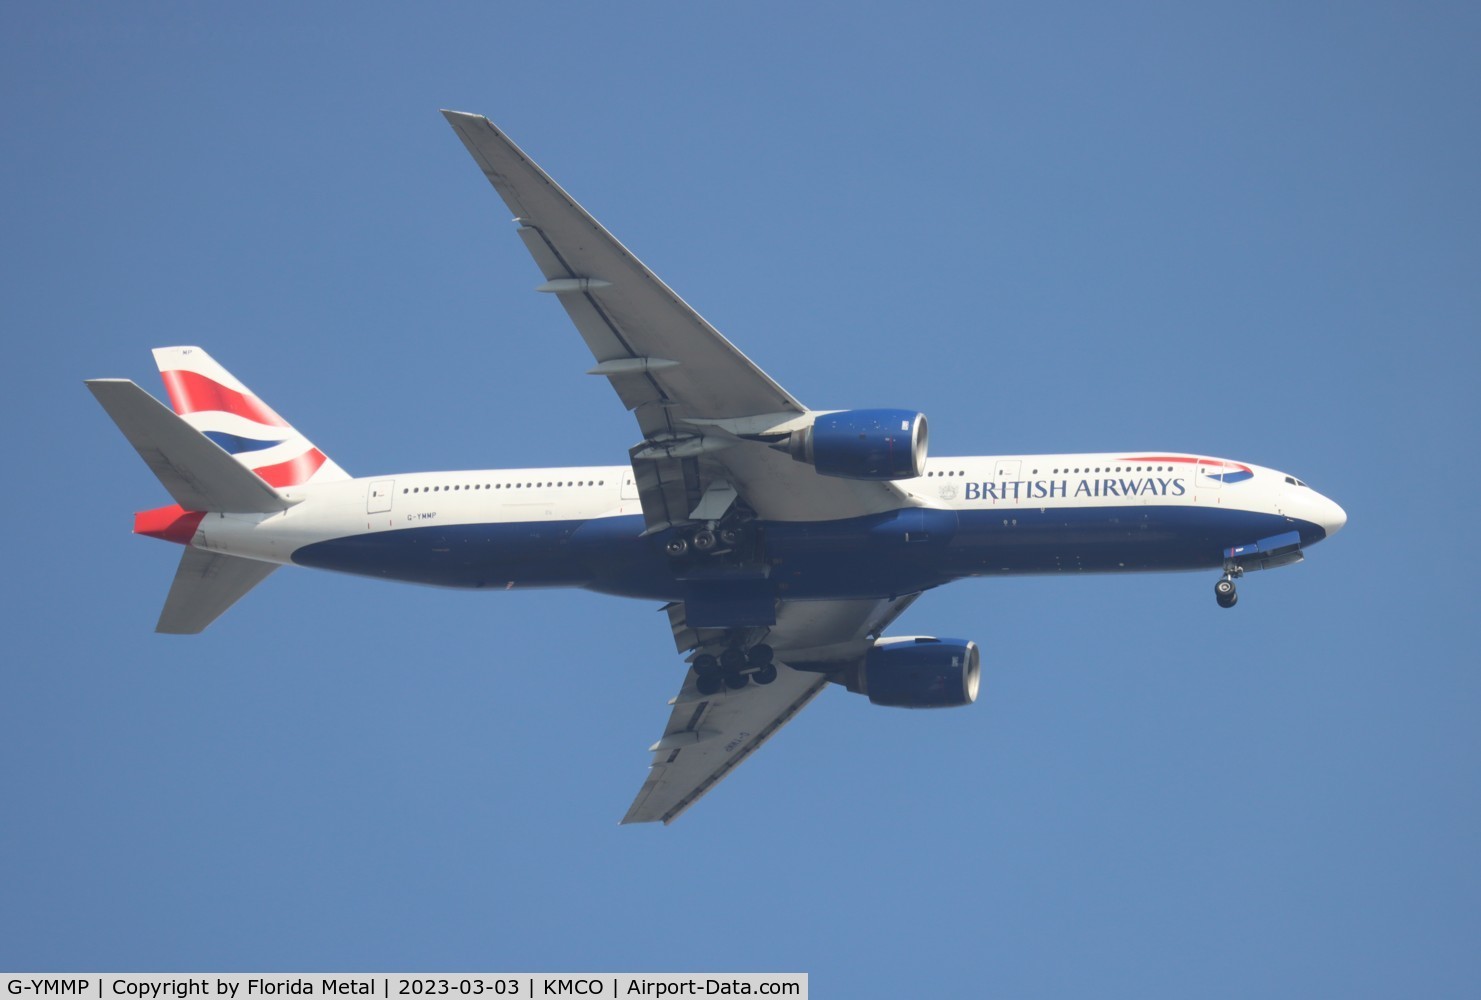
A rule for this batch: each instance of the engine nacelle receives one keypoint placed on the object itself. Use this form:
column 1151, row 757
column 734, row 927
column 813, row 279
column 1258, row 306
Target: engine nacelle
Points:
column 919, row 672
column 864, row 444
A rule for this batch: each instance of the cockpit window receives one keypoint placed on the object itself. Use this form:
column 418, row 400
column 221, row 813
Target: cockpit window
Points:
column 1296, row 482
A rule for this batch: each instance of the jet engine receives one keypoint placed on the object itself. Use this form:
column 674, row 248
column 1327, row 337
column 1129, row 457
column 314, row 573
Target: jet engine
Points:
column 918, row 672
column 864, row 444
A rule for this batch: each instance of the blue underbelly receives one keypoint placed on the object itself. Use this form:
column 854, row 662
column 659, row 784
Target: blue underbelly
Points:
column 1109, row 539
column 870, row 557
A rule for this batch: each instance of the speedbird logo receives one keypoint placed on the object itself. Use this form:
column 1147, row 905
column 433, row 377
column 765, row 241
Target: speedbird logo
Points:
column 242, row 425
column 1211, row 468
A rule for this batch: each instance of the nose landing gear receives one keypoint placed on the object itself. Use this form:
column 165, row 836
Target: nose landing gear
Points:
column 1224, row 591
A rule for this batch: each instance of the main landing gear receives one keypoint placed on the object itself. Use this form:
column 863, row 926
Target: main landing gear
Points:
column 708, row 539
column 734, row 668
column 1224, row 591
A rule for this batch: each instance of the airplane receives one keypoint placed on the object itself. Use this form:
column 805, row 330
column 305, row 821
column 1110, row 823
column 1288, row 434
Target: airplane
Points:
column 782, row 541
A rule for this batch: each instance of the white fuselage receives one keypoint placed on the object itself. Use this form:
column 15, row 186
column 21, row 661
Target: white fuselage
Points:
column 583, row 526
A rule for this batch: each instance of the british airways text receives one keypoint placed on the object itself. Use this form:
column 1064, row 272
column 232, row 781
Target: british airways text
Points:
column 1040, row 489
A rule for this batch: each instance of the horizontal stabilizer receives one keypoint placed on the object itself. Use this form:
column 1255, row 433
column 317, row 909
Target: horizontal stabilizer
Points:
column 206, row 584
column 192, row 467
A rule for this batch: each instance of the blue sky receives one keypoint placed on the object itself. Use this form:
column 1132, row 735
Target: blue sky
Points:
column 1249, row 232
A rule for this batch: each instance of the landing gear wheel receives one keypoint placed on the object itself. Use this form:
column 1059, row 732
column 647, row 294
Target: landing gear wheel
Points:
column 706, row 665
column 730, row 535
column 765, row 675
column 708, row 684
column 676, row 547
column 736, row 681
column 759, row 655
column 704, row 540
column 1225, row 593
column 733, row 660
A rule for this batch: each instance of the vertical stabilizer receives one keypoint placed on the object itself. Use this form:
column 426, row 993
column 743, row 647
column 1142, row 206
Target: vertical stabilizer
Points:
column 215, row 403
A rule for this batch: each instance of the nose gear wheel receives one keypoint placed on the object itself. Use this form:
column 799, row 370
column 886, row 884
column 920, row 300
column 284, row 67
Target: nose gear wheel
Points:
column 1225, row 593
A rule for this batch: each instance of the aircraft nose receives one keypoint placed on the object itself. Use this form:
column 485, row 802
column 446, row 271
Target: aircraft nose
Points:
column 1333, row 517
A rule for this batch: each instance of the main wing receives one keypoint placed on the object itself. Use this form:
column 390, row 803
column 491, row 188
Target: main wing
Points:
column 708, row 736
column 653, row 347
column 700, row 403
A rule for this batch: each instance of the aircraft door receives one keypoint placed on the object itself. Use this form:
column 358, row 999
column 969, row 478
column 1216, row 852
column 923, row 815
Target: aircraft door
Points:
column 378, row 499
column 1005, row 473
column 1208, row 474
column 629, row 485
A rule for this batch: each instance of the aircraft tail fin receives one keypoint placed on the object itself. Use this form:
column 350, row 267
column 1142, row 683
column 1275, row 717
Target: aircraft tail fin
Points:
column 210, row 399
column 219, row 450
column 206, row 584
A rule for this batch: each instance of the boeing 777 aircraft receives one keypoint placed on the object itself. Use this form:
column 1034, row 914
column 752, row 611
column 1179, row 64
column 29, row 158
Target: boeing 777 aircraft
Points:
column 783, row 540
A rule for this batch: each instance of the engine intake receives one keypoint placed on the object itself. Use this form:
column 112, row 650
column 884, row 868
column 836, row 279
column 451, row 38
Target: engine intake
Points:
column 864, row 444
column 919, row 672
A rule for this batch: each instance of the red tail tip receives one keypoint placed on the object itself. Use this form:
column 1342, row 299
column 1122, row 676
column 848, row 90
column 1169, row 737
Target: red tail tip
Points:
column 173, row 523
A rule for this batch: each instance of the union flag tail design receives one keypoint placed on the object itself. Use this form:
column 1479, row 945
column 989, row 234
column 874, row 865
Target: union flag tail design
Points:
column 208, row 398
